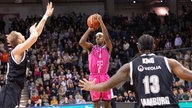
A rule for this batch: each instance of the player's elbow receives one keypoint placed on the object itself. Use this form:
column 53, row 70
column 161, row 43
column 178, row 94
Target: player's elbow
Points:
column 81, row 43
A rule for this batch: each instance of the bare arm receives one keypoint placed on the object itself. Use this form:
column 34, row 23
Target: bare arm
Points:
column 105, row 33
column 35, row 32
column 179, row 70
column 83, row 41
column 120, row 76
column 18, row 51
column 48, row 13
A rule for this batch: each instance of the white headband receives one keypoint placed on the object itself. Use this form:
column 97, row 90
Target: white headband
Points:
column 99, row 33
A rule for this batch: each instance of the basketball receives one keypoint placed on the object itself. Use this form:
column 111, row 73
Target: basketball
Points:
column 92, row 22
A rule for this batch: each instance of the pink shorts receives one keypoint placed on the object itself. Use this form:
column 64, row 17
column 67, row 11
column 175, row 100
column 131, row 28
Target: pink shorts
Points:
column 95, row 96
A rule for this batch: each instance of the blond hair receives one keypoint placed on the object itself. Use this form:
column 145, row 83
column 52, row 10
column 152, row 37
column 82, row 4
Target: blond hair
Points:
column 12, row 38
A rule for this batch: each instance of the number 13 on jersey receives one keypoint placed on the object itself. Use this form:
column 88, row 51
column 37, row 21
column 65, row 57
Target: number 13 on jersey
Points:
column 151, row 84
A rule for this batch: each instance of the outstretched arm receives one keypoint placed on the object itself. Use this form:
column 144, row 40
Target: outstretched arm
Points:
column 35, row 31
column 121, row 75
column 179, row 70
column 47, row 14
column 105, row 33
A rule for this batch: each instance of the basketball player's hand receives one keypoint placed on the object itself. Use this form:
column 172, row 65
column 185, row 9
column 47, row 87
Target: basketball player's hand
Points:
column 50, row 9
column 86, row 85
column 91, row 29
column 33, row 30
column 99, row 17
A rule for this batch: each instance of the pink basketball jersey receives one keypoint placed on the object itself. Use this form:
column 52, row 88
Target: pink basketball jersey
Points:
column 99, row 60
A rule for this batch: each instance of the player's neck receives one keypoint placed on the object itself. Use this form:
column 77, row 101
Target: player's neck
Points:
column 101, row 45
column 147, row 52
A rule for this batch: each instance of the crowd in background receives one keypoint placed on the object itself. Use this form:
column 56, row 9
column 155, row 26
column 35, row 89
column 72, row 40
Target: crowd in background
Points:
column 56, row 62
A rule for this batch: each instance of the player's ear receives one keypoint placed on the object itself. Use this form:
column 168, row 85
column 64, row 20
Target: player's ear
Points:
column 139, row 47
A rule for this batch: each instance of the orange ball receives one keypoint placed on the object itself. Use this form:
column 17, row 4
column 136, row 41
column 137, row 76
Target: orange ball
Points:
column 92, row 22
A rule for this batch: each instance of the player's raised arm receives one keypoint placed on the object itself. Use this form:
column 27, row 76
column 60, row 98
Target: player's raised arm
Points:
column 48, row 13
column 35, row 31
column 83, row 41
column 105, row 33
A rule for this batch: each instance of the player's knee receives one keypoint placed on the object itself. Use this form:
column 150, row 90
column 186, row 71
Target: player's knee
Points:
column 96, row 104
column 107, row 104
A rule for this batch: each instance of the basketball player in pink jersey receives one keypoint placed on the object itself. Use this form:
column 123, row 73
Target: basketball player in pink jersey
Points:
column 98, row 58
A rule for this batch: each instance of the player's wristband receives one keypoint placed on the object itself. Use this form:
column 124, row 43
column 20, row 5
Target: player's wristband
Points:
column 45, row 17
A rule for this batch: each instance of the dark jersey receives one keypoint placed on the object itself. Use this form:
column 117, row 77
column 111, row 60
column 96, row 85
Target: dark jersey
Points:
column 152, row 80
column 16, row 72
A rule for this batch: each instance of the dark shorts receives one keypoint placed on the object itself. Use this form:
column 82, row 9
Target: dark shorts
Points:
column 10, row 95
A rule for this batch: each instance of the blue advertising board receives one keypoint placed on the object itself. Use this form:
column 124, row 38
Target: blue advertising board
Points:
column 185, row 104
column 182, row 104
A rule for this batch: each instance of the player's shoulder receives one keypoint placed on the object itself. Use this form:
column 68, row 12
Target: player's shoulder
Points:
column 172, row 61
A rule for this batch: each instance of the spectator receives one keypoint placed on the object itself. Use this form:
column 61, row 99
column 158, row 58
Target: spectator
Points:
column 29, row 104
column 71, row 99
column 37, row 72
column 35, row 98
column 81, row 100
column 168, row 45
column 48, row 91
column 32, row 89
column 66, row 100
column 181, row 94
column 125, row 96
column 45, row 98
column 61, row 92
column 4, row 59
column 54, row 90
column 54, row 101
column 131, row 96
column 178, row 41
column 126, row 50
column 119, row 98
column 71, row 89
column 175, row 92
column 41, row 90
column 55, row 79
column 187, row 56
column 46, row 76
column 179, row 55
column 77, row 95
column 38, row 103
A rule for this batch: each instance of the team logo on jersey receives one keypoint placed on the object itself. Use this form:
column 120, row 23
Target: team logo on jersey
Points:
column 141, row 68
column 148, row 60
column 99, row 65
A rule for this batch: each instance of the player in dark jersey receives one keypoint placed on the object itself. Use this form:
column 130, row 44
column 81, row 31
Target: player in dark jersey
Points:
column 151, row 76
column 16, row 70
